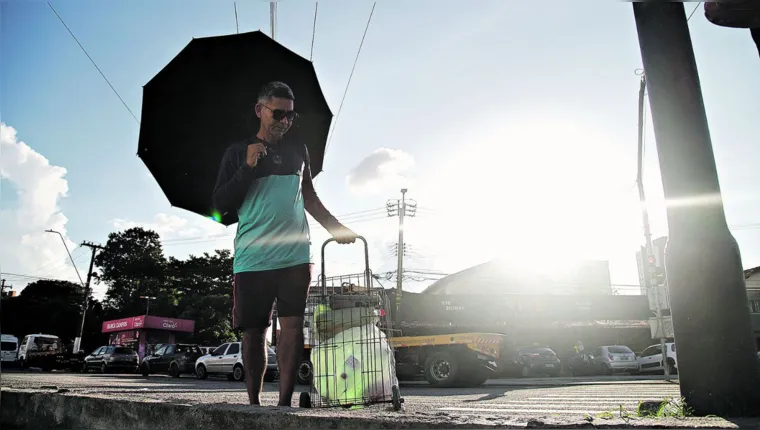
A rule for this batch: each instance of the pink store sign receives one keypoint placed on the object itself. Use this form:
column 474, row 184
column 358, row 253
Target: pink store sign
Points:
column 149, row 322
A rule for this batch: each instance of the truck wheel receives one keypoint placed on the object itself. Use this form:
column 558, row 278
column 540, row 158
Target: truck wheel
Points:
column 441, row 369
column 305, row 373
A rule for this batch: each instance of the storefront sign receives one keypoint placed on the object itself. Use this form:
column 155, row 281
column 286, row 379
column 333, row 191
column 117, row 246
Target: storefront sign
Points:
column 171, row 324
column 149, row 322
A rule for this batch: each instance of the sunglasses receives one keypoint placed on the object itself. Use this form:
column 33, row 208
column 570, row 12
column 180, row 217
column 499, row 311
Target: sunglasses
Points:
column 279, row 114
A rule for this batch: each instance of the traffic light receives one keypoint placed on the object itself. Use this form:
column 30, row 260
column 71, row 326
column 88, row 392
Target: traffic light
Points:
column 656, row 273
column 658, row 277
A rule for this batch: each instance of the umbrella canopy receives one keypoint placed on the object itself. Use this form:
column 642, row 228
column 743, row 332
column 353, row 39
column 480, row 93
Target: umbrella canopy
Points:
column 203, row 101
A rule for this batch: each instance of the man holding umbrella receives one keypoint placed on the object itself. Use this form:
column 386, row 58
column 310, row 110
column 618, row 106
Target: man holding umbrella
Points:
column 267, row 181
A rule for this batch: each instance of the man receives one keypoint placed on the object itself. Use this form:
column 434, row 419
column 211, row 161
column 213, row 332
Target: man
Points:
column 268, row 183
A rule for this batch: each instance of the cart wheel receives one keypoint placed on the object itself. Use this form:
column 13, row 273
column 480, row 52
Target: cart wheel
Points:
column 396, row 398
column 304, row 401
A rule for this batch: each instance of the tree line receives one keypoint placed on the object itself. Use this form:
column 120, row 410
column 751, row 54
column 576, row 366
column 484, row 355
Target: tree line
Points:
column 132, row 264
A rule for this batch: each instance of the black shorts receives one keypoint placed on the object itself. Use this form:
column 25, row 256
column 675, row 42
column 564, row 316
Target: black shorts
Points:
column 254, row 294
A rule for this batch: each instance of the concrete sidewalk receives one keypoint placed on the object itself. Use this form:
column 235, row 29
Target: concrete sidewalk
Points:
column 60, row 408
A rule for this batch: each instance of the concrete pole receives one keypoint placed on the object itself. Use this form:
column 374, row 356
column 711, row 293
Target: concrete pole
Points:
column 709, row 307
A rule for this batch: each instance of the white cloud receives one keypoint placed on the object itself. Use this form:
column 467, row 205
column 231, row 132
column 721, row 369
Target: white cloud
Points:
column 25, row 247
column 175, row 227
column 383, row 169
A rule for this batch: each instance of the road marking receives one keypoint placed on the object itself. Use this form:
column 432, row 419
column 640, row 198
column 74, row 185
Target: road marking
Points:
column 525, row 411
column 658, row 396
column 595, row 402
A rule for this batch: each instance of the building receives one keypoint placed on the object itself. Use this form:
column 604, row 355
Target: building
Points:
column 752, row 279
column 502, row 277
column 142, row 331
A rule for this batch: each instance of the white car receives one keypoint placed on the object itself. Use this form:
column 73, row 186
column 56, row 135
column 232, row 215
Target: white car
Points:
column 9, row 349
column 227, row 359
column 650, row 359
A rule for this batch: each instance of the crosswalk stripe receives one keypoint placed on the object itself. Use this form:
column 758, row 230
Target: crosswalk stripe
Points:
column 594, row 402
column 524, row 411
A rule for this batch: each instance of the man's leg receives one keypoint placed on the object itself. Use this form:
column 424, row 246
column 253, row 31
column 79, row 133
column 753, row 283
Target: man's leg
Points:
column 253, row 299
column 289, row 353
column 255, row 362
column 291, row 304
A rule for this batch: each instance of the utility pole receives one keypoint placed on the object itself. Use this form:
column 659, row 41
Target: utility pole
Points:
column 147, row 307
column 273, row 29
column 710, row 312
column 94, row 248
column 650, row 284
column 273, row 18
column 401, row 208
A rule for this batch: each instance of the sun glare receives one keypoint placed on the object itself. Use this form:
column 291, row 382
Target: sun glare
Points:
column 536, row 194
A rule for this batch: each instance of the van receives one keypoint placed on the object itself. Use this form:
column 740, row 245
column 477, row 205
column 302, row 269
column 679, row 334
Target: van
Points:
column 45, row 351
column 8, row 349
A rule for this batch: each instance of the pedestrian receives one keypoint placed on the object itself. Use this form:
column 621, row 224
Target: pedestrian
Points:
column 268, row 182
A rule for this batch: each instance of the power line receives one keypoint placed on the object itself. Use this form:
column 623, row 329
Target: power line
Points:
column 340, row 108
column 38, row 278
column 692, row 12
column 94, row 64
column 313, row 31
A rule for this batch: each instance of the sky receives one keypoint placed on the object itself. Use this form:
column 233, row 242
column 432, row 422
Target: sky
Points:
column 512, row 126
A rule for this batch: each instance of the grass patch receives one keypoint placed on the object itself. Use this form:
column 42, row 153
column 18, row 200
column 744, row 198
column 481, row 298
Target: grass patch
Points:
column 666, row 408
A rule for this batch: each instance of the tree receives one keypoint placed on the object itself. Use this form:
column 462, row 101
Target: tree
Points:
column 45, row 306
column 204, row 287
column 133, row 265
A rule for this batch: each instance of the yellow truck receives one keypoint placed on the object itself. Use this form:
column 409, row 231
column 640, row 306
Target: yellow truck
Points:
column 435, row 353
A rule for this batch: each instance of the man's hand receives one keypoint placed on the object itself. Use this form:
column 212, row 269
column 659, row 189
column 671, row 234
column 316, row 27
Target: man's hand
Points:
column 255, row 152
column 343, row 235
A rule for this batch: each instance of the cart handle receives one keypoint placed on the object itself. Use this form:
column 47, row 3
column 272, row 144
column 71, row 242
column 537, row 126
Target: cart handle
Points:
column 366, row 260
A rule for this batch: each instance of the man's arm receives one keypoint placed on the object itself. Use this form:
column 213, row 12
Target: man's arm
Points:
column 311, row 201
column 233, row 180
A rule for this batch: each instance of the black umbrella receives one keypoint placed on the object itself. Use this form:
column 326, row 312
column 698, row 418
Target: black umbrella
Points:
column 203, row 100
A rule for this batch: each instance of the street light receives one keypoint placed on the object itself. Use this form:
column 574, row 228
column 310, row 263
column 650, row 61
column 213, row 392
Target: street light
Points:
column 78, row 341
column 148, row 298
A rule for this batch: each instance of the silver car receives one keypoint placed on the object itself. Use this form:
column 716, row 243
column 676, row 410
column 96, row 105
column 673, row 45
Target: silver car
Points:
column 227, row 360
column 615, row 359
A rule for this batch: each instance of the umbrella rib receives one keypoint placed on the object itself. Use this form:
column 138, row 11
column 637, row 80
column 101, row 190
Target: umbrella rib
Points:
column 94, row 64
column 340, row 108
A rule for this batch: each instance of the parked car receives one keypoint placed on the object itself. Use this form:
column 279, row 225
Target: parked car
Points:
column 538, row 360
column 111, row 358
column 227, row 360
column 650, row 359
column 174, row 358
column 615, row 358
column 9, row 349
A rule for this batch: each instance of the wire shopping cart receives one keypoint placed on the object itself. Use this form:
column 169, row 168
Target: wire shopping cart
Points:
column 352, row 359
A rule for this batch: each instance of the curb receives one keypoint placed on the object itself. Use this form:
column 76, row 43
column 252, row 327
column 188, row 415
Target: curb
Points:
column 63, row 409
column 34, row 409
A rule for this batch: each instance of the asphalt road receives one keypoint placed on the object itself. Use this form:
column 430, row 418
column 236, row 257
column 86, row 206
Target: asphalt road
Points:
column 534, row 398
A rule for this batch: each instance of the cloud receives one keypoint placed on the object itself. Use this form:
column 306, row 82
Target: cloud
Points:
column 25, row 247
column 382, row 169
column 175, row 227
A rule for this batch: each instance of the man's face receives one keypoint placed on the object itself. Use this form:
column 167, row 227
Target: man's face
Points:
column 276, row 115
